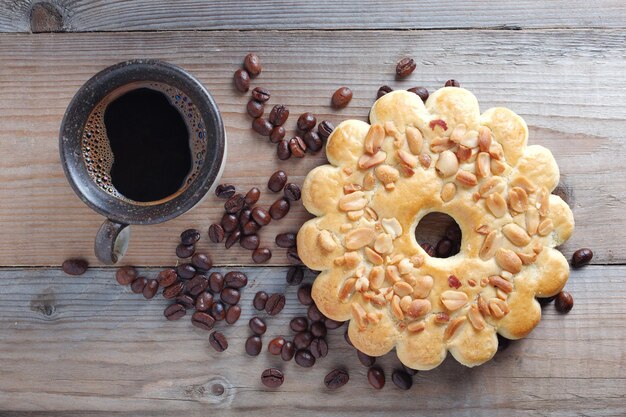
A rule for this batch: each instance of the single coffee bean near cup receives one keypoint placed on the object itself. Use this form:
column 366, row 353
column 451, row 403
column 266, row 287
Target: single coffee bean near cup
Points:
column 255, row 108
column 275, row 304
column 241, row 78
column 252, row 196
column 262, row 126
column 319, row 347
column 185, row 251
column 75, row 266
column 234, row 204
column 288, row 350
column 230, row 296
column 252, row 64
column 218, row 311
column 232, row 239
column 232, row 314
column 257, row 325
column 277, row 181
column 236, row 279
column 295, row 275
column 336, row 378
column 261, row 255
column 283, row 151
column 304, row 295
column 421, row 92
column 292, row 192
column 367, row 360
column 202, row 320
column 216, row 282
column 190, row 237
column 202, row 261
column 279, row 209
column 452, row 83
column 306, row 122
column 302, row 340
column 225, row 191
column 259, row 300
column 261, row 216
column 253, row 345
column 173, row 290
column 186, row 301
column 275, row 347
column 304, row 358
column 313, row 141
column 218, row 341
column 204, row 301
column 401, row 379
column 376, row 377
column 261, row 94
column 167, row 277
column 216, row 233
column 341, row 98
column 325, row 128
column 405, row 67
column 299, row 324
column 250, row 242
column 197, row 285
column 186, row 270
column 138, row 285
column 384, row 89
column 581, row 257
column 277, row 134
column 279, row 115
column 174, row 311
column 297, row 147
column 272, row 378
column 285, row 240
column 564, row 302
column 126, row 275
column 151, row 288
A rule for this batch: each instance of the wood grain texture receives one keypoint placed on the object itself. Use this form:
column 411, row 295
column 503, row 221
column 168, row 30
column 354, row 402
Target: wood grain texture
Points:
column 125, row 15
column 86, row 346
column 568, row 85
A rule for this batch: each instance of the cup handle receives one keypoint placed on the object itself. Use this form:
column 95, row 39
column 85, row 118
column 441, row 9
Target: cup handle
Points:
column 111, row 241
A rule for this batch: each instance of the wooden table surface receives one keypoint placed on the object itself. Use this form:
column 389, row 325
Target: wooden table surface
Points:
column 74, row 346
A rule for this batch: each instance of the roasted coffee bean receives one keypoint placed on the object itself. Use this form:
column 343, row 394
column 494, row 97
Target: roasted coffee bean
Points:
column 232, row 239
column 279, row 209
column 314, row 314
column 218, row 311
column 283, row 151
column 325, row 128
column 173, row 290
column 429, row 249
column 453, row 232
column 216, row 282
column 312, row 141
column 279, row 115
column 302, row 340
column 151, row 288
column 241, row 79
column 174, row 312
column 408, row 370
column 218, row 341
column 367, row 360
column 545, row 301
column 190, row 236
column 293, row 257
column 75, row 266
column 167, row 277
column 304, row 295
column 252, row 196
column 341, row 98
column 232, row 314
column 202, row 261
column 257, row 325
column 255, row 109
column 277, row 181
column 252, row 64
column 261, row 216
column 197, row 285
column 306, row 121
column 421, row 92
column 187, row 301
column 304, row 358
column 204, row 301
column 250, row 228
column 581, row 257
column 564, row 302
column 297, row 147
column 401, row 379
column 186, row 271
column 225, row 191
column 216, row 233
column 452, row 83
column 287, row 352
column 229, row 222
column 276, row 345
column 272, row 378
column 286, row 240
column 346, row 336
column 250, row 242
column 277, row 134
column 275, row 304
column 245, row 216
column 384, row 89
column 405, row 67
column 261, row 94
column 299, row 324
column 295, row 275
column 230, row 295
column 138, row 285
column 261, row 255
column 234, row 204
column 444, row 248
column 319, row 347
column 126, row 275
column 318, row 329
column 292, row 192
column 253, row 345
column 376, row 377
column 185, row 251
column 236, row 279
column 336, row 378
column 260, row 298
column 262, row 126
column 202, row 320
column 333, row 324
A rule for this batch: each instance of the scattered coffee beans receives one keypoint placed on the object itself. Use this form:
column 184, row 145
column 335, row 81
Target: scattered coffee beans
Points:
column 218, row 341
column 234, row 204
column 260, row 94
column 376, row 377
column 286, row 240
column 325, row 128
column 241, row 79
column 252, row 64
column 225, row 191
column 197, row 285
column 299, row 324
column 261, row 216
column 232, row 239
column 216, row 233
column 75, row 266
column 367, row 360
column 304, row 295
column 230, row 296
column 252, row 196
column 202, row 261
column 275, row 347
column 287, row 351
column 202, row 320
column 293, row 257
column 283, row 150
column 564, row 302
column 405, row 67
column 173, row 290
column 312, row 141
column 236, row 279
column 255, row 109
column 167, row 277
column 187, row 301
column 185, row 251
column 218, row 311
column 279, row 209
column 304, row 358
column 292, row 192
column 275, row 304
column 277, row 134
column 297, row 147
column 295, row 275
column 302, row 340
column 126, row 275
column 279, row 115
column 253, row 345
column 306, row 122
column 319, row 347
column 452, row 83
column 229, row 222
column 151, row 288
column 257, row 325
column 204, row 301
column 174, row 312
column 262, row 126
column 186, row 271
column 190, row 237
column 216, row 282
column 384, row 89
column 138, row 285
column 260, row 298
column 318, row 329
column 581, row 257
column 336, row 378
column 272, row 378
column 277, row 181
column 402, row 380
column 314, row 314
column 341, row 97
column 261, row 255
column 232, row 314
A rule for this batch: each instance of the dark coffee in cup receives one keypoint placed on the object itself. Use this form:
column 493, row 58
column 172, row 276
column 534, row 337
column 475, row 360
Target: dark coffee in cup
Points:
column 144, row 142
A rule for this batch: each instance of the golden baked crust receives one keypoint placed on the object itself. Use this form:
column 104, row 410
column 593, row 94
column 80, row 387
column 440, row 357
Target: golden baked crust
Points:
column 382, row 179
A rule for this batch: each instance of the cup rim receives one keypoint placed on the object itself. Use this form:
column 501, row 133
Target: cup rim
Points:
column 95, row 90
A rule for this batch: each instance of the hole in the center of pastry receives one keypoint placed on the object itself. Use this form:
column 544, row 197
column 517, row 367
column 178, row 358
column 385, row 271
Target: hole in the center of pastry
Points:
column 439, row 235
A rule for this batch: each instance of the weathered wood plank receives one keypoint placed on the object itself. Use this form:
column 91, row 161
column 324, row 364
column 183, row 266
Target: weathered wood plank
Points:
column 567, row 85
column 118, row 15
column 86, row 346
